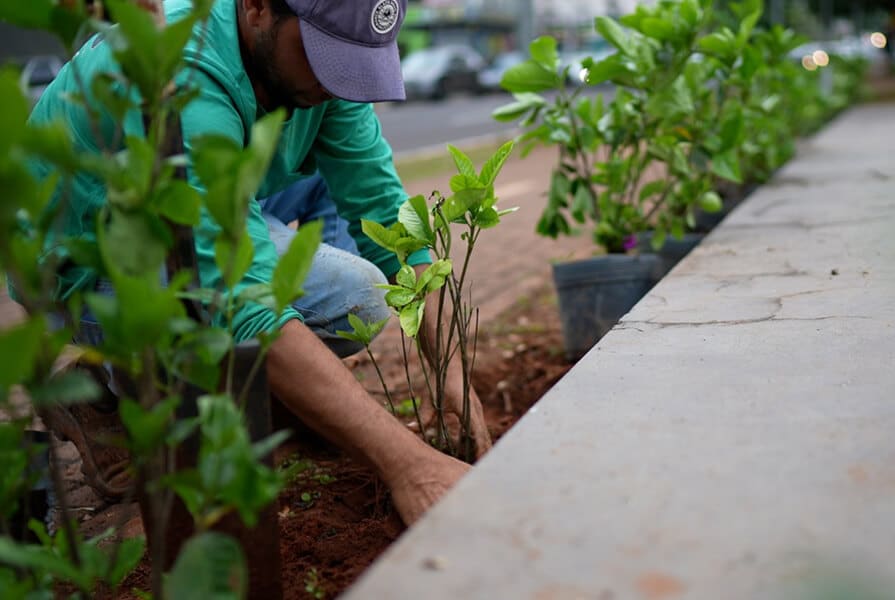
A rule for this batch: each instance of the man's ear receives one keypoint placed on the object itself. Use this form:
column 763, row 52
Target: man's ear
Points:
column 254, row 10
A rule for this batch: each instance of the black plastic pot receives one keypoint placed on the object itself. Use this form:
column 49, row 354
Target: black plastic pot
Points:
column 671, row 252
column 596, row 292
column 39, row 501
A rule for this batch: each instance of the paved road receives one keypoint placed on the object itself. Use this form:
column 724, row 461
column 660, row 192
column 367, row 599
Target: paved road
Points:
column 416, row 125
column 411, row 127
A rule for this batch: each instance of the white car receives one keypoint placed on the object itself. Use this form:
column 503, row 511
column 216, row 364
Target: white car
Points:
column 435, row 72
column 490, row 77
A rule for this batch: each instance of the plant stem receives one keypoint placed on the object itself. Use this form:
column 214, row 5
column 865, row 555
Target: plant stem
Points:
column 416, row 411
column 388, row 394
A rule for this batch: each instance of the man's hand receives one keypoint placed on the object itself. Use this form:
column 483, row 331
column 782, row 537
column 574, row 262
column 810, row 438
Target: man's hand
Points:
column 311, row 381
column 420, row 487
column 453, row 401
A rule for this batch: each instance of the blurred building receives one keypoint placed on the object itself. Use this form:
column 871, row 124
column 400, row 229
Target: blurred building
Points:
column 493, row 26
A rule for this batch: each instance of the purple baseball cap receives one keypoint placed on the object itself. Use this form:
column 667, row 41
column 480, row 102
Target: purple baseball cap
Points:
column 351, row 46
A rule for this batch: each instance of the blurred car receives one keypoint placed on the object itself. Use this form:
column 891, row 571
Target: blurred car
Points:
column 37, row 74
column 490, row 76
column 857, row 46
column 435, row 72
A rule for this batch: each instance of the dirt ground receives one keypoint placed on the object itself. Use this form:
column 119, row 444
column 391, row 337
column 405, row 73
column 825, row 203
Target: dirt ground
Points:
column 335, row 516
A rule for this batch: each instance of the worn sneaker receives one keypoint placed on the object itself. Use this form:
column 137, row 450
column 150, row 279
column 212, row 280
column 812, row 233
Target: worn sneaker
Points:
column 97, row 432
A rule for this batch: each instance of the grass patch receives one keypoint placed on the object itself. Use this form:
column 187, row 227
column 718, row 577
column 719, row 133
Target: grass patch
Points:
column 416, row 168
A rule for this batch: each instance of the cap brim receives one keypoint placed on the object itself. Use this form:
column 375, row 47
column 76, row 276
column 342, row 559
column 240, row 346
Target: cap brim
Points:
column 352, row 72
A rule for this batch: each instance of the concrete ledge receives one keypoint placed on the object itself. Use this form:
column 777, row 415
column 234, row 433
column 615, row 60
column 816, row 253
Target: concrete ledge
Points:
column 733, row 437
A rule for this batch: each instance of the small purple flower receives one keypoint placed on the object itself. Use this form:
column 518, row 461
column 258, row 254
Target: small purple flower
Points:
column 630, row 242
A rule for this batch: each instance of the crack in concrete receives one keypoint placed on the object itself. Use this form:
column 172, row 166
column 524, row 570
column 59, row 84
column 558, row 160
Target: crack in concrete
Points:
column 628, row 325
column 801, row 225
column 771, row 206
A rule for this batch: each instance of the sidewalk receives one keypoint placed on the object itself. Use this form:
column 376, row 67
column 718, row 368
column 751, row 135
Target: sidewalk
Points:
column 731, row 438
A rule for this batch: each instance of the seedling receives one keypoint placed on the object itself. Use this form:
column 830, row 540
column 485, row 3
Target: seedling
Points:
column 440, row 287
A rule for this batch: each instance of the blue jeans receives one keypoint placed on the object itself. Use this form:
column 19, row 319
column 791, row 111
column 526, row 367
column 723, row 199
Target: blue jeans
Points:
column 340, row 281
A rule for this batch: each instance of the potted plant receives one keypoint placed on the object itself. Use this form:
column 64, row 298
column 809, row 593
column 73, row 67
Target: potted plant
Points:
column 640, row 166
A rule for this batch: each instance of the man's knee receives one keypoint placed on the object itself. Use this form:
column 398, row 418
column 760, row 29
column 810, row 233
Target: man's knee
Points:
column 365, row 299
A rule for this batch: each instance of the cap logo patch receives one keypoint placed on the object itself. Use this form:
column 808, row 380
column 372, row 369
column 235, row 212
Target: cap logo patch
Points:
column 385, row 16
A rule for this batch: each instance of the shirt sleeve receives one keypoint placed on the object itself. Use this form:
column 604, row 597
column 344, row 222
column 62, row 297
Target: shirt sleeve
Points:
column 356, row 162
column 213, row 113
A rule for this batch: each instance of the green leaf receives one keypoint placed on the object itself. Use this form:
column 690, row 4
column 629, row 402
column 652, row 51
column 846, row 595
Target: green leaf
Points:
column 727, row 166
column 495, row 163
column 543, row 51
column 147, row 428
column 19, row 347
column 137, row 316
column 614, row 34
column 107, row 89
column 295, row 264
column 62, row 18
column 747, row 25
column 732, row 128
column 400, row 297
column 673, row 102
column 721, row 43
column 40, row 559
column 460, row 183
column 464, row 165
column 362, row 333
column 128, row 554
column 263, row 144
column 689, row 11
column 180, row 202
column 361, row 330
column 524, row 103
column 456, row 207
column 410, row 318
column 652, row 188
column 386, row 238
column 658, row 239
column 264, row 447
column 215, row 159
column 610, row 68
column 210, row 345
column 406, row 277
column 210, row 565
column 414, row 215
column 487, row 218
column 71, row 387
column 136, row 243
column 658, row 29
column 434, row 276
column 234, row 261
column 136, row 44
column 529, row 76
column 15, row 110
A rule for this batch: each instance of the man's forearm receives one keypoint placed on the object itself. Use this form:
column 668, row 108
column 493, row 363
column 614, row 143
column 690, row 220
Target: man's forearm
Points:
column 306, row 376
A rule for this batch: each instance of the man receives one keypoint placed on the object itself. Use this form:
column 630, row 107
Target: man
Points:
column 325, row 62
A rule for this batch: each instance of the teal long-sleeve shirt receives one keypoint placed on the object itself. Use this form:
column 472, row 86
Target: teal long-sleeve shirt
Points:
column 341, row 139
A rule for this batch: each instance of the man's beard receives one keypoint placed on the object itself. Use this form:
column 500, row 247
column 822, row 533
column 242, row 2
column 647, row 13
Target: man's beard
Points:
column 263, row 66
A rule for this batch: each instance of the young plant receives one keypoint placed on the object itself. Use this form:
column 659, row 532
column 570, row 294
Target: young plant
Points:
column 702, row 98
column 171, row 344
column 441, row 286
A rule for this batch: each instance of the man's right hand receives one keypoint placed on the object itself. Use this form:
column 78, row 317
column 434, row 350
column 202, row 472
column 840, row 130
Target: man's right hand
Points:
column 421, row 487
column 314, row 384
